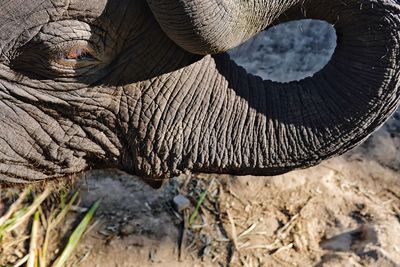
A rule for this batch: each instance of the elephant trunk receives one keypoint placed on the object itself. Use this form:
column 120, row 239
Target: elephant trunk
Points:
column 210, row 27
column 264, row 127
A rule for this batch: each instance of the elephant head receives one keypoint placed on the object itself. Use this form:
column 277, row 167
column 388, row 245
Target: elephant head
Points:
column 146, row 87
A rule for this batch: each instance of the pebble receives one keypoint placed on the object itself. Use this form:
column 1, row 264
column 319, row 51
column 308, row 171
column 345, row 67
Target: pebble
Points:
column 127, row 229
column 181, row 203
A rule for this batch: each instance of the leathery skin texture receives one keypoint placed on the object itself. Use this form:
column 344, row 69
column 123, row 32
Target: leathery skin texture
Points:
column 148, row 88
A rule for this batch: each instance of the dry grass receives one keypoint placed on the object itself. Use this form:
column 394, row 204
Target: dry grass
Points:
column 33, row 230
column 225, row 228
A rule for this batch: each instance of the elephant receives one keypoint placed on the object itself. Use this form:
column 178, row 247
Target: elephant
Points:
column 149, row 88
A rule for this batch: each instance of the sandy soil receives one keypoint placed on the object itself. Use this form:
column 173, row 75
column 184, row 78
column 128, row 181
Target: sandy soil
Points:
column 343, row 212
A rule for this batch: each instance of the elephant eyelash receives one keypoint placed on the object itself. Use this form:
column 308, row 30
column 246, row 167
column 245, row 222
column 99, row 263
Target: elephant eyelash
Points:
column 76, row 56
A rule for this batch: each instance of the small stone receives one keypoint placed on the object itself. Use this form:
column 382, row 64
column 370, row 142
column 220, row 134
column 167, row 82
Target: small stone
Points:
column 127, row 229
column 181, row 203
column 247, row 209
column 271, row 225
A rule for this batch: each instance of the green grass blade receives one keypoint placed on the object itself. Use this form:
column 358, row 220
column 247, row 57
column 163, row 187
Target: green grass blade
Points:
column 65, row 209
column 76, row 236
column 15, row 206
column 195, row 213
column 12, row 221
column 63, row 198
column 23, row 214
column 32, row 260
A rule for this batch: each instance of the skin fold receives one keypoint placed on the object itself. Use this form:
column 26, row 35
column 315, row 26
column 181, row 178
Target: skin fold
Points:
column 147, row 88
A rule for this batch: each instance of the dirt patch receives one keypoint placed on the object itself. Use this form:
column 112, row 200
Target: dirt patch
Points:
column 344, row 212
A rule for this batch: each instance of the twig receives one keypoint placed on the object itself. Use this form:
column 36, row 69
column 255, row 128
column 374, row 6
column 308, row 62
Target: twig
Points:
column 267, row 246
column 21, row 261
column 248, row 231
column 82, row 259
column 287, row 227
column 234, row 233
column 182, row 235
column 237, row 197
column 289, row 246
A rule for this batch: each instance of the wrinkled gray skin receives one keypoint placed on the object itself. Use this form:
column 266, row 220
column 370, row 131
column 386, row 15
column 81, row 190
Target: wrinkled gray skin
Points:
column 131, row 84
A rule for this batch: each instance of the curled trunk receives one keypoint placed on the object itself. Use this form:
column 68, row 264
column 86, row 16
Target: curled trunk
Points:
column 253, row 126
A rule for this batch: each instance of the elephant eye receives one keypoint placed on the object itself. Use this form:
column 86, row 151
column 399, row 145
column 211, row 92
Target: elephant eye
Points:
column 75, row 56
column 57, row 52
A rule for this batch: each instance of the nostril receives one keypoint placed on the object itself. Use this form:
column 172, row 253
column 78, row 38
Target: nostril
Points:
column 289, row 51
